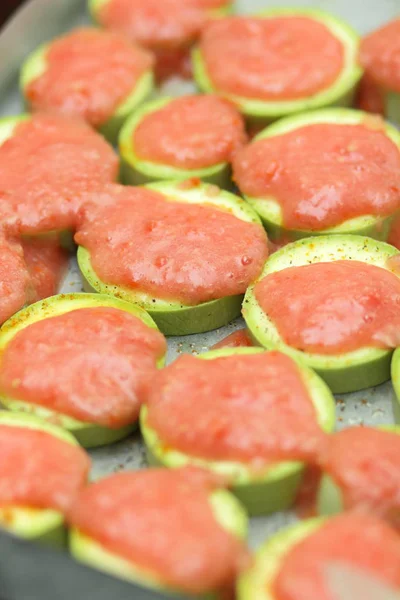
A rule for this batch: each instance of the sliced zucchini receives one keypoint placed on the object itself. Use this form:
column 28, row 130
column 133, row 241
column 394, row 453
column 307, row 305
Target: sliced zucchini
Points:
column 89, row 435
column 136, row 171
column 270, row 210
column 227, row 510
column 174, row 318
column 347, row 372
column 258, row 581
column 275, row 488
column 341, row 93
column 36, row 64
column 43, row 525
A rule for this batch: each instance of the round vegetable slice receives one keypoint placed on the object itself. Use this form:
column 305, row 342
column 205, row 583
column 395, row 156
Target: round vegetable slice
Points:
column 282, row 35
column 332, row 171
column 361, row 472
column 77, row 404
column 61, row 158
column 294, row 564
column 188, row 240
column 41, row 472
column 181, row 138
column 380, row 86
column 207, row 524
column 346, row 371
column 104, row 78
column 168, row 29
column 263, row 468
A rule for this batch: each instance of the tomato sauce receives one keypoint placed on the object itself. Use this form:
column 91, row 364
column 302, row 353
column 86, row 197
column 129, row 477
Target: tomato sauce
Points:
column 364, row 463
column 272, row 59
column 156, row 506
column 99, row 71
column 236, row 339
column 16, row 289
column 192, row 132
column 177, row 251
column 39, row 470
column 380, row 55
column 92, row 364
column 251, row 408
column 358, row 541
column 45, row 167
column 331, row 308
column 47, row 264
column 323, row 174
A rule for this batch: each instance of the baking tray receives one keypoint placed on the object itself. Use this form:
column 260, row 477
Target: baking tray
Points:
column 40, row 20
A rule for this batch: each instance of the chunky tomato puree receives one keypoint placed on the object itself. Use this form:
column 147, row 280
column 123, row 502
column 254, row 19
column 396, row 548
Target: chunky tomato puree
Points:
column 334, row 307
column 362, row 542
column 16, row 287
column 92, row 364
column 47, row 264
column 39, row 470
column 156, row 507
column 252, row 408
column 192, row 132
column 323, row 174
column 272, row 59
column 45, row 167
column 364, row 463
column 177, row 251
column 99, row 71
column 380, row 55
column 236, row 339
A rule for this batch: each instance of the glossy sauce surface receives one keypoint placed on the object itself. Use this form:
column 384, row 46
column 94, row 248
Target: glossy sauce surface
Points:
column 380, row 55
column 323, row 174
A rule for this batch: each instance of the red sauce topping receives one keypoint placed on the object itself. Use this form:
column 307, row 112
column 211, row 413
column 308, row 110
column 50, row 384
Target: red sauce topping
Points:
column 157, row 506
column 179, row 251
column 370, row 97
column 272, row 59
column 380, row 55
column 236, row 339
column 240, row 407
column 99, row 71
column 39, row 470
column 191, row 132
column 364, row 463
column 16, row 287
column 394, row 235
column 363, row 542
column 92, row 364
column 47, row 263
column 60, row 159
column 159, row 25
column 306, row 499
column 173, row 62
column 335, row 307
column 323, row 174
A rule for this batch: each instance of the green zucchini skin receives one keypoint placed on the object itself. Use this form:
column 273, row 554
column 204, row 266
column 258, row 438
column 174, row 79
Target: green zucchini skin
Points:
column 89, row 435
column 227, row 510
column 45, row 526
column 36, row 64
column 269, row 211
column 264, row 493
column 260, row 113
column 135, row 171
column 347, row 372
column 173, row 318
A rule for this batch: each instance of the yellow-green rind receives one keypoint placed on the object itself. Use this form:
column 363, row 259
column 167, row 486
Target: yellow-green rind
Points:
column 171, row 317
column 263, row 491
column 41, row 525
column 329, row 495
column 227, row 510
column 260, row 113
column 35, row 66
column 347, row 372
column 269, row 210
column 257, row 582
column 136, row 171
column 89, row 435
